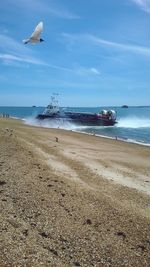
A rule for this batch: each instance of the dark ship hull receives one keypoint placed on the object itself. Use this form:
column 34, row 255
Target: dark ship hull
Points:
column 79, row 118
column 54, row 113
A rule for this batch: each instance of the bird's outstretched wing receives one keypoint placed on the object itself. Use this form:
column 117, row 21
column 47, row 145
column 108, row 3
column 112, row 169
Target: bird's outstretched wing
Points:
column 37, row 31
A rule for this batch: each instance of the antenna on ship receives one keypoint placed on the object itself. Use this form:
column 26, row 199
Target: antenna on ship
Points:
column 54, row 99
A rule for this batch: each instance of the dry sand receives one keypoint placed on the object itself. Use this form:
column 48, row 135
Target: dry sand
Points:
column 81, row 201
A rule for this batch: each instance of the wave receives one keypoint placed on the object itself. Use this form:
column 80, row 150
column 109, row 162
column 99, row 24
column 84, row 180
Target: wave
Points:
column 133, row 122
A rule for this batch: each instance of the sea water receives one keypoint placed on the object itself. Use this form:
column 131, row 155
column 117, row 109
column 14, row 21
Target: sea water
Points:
column 133, row 123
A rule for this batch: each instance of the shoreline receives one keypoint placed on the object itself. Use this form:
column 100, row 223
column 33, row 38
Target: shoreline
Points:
column 128, row 140
column 71, row 199
column 98, row 135
column 116, row 138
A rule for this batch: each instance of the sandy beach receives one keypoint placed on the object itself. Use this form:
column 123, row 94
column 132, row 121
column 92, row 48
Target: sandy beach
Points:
column 71, row 199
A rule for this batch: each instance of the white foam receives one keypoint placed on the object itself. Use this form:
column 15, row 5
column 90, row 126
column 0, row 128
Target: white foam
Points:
column 46, row 123
column 133, row 122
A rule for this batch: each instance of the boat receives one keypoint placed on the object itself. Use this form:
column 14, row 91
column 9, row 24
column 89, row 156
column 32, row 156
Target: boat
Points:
column 54, row 112
column 124, row 106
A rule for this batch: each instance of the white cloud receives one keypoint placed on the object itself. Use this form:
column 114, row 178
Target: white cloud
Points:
column 95, row 71
column 7, row 58
column 11, row 50
column 143, row 4
column 72, row 39
column 77, row 70
column 16, row 54
column 46, row 7
column 80, row 70
column 145, row 51
column 61, row 68
column 10, row 45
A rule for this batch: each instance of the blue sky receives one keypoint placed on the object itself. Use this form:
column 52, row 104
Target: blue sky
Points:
column 95, row 53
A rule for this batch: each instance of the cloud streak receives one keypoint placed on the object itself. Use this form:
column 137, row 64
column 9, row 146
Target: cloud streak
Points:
column 143, row 4
column 8, row 44
column 13, row 51
column 79, row 70
column 145, row 51
column 84, row 71
column 72, row 39
column 11, row 58
column 44, row 7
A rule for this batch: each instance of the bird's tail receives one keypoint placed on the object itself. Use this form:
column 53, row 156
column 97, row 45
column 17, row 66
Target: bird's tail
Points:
column 26, row 41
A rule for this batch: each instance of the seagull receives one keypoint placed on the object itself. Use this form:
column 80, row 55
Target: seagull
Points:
column 35, row 36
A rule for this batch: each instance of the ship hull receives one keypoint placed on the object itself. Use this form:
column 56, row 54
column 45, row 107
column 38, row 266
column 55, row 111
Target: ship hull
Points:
column 85, row 119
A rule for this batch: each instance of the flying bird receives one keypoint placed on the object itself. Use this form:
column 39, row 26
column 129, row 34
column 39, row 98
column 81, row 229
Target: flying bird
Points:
column 35, row 36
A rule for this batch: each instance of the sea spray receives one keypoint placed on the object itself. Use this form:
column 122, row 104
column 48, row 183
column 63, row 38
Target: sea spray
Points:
column 49, row 123
column 133, row 122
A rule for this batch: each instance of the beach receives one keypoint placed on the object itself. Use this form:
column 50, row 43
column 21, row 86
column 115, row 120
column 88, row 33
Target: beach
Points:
column 72, row 199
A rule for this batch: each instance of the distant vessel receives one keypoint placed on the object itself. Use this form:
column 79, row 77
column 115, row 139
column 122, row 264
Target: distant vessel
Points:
column 53, row 112
column 124, row 106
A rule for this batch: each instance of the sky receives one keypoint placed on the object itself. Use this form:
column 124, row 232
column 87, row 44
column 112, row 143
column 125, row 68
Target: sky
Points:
column 95, row 52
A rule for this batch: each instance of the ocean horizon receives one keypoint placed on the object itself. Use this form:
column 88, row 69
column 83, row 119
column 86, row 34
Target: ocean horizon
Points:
column 133, row 123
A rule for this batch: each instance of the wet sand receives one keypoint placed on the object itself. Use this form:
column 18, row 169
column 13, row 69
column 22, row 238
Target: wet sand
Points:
column 69, row 199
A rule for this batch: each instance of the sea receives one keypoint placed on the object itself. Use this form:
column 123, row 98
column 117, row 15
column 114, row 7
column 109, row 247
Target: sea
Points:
column 133, row 123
